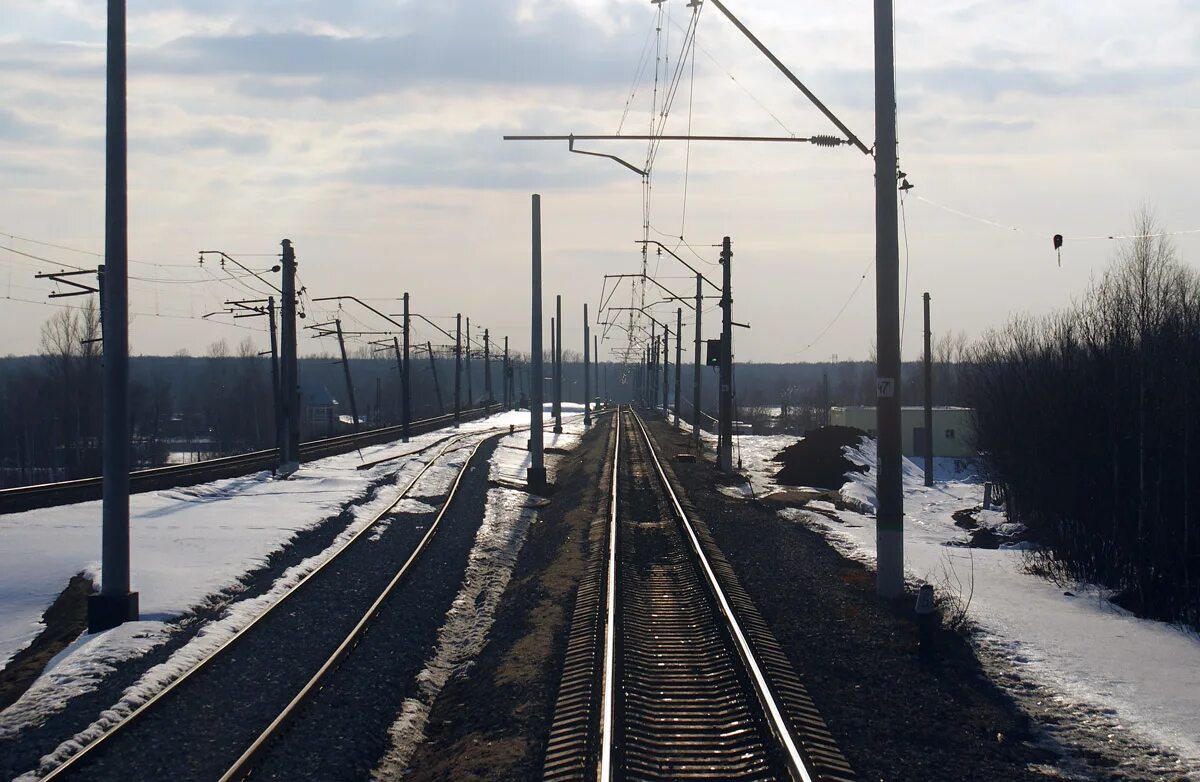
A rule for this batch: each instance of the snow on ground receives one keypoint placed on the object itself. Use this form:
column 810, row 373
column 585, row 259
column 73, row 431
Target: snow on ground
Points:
column 190, row 543
column 185, row 543
column 1145, row 673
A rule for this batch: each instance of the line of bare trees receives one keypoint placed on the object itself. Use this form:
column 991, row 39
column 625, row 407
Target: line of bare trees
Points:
column 1086, row 418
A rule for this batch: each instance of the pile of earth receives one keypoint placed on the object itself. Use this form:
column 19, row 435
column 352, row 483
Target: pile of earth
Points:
column 817, row 460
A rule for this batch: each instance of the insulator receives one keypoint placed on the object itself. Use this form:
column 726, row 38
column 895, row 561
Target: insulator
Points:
column 827, row 141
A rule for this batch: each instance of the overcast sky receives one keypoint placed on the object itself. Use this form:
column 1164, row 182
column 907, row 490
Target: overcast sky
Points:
column 369, row 133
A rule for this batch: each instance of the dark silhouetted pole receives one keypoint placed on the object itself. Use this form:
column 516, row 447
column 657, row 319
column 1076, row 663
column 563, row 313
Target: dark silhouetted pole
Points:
column 275, row 388
column 889, row 528
column 558, row 366
column 678, row 358
column 928, row 398
column 595, row 362
column 507, row 379
column 696, row 369
column 467, row 362
column 587, row 370
column 406, row 379
column 346, row 372
column 487, row 366
column 825, row 397
column 666, row 369
column 553, row 371
column 457, row 368
column 725, row 453
column 115, row 604
column 289, row 459
column 536, row 477
column 399, row 374
column 437, row 387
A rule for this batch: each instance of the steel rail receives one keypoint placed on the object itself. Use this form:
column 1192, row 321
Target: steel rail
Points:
column 243, row 632
column 245, row 764
column 608, row 688
column 774, row 713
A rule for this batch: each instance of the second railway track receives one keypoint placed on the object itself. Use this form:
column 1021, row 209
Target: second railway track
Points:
column 671, row 673
column 219, row 719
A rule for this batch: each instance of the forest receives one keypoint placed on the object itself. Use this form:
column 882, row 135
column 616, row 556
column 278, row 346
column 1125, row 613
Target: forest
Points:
column 1085, row 418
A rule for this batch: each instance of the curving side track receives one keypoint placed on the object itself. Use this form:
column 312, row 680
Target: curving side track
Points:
column 46, row 495
column 681, row 678
column 213, row 721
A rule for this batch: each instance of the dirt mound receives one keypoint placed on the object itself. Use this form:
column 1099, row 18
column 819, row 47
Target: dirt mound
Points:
column 817, row 460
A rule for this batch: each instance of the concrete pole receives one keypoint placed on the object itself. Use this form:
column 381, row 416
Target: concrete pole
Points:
column 553, row 371
column 115, row 604
column 678, row 359
column 405, row 379
column 289, row 367
column 651, row 363
column 889, row 541
column 507, row 378
column 437, row 386
column 558, row 366
column 536, row 477
column 696, row 369
column 666, row 365
column 595, row 361
column 487, row 366
column 587, row 370
column 457, row 368
column 346, row 373
column 928, row 398
column 276, row 394
column 467, row 362
column 725, row 450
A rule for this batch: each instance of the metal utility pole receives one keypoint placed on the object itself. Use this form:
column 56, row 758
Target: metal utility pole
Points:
column 536, row 477
column 275, row 387
column 507, row 379
column 457, row 368
column 666, row 365
column 587, row 370
column 678, row 358
column 928, row 398
column 889, row 536
column 558, row 367
column 487, row 366
column 346, row 372
column 467, row 361
column 825, row 410
column 405, row 377
column 399, row 369
column 725, row 452
column 595, row 362
column 437, row 387
column 553, row 372
column 115, row 604
column 289, row 457
column 696, row 369
column 651, row 364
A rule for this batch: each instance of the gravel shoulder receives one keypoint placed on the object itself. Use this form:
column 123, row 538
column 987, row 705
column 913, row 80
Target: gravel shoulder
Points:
column 492, row 720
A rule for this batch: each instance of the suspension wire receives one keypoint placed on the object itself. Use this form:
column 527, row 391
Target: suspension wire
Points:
column 687, row 161
column 862, row 278
column 643, row 60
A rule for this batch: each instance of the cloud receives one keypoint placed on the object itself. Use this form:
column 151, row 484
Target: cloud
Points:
column 448, row 42
column 14, row 128
column 211, row 139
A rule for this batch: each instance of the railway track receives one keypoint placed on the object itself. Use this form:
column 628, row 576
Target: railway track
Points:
column 671, row 672
column 45, row 495
column 218, row 719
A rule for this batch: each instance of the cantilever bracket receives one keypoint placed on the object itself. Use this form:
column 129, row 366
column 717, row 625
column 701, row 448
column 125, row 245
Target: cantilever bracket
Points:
column 630, row 166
